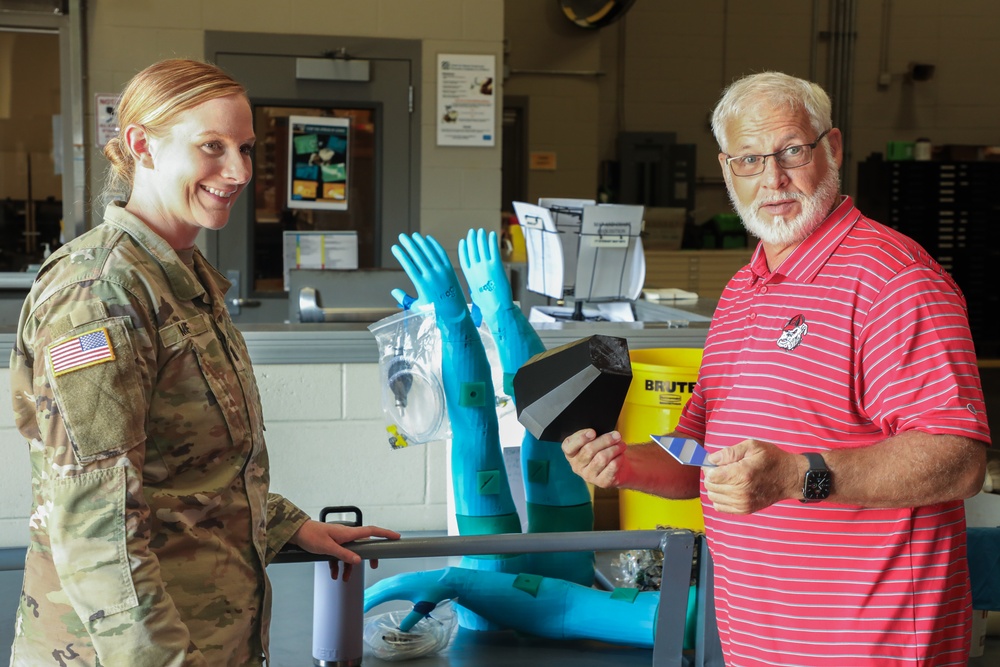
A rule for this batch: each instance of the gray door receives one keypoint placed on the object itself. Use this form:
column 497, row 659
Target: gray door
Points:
column 383, row 158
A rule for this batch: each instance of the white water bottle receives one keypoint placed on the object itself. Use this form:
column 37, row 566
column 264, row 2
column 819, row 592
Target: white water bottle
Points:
column 338, row 608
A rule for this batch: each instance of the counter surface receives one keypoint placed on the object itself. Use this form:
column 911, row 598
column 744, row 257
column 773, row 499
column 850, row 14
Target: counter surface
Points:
column 353, row 343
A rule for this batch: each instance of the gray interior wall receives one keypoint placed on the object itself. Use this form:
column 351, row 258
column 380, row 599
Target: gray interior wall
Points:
column 663, row 67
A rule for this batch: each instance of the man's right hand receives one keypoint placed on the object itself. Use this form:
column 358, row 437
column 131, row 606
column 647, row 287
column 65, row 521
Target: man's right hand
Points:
column 602, row 461
column 609, row 463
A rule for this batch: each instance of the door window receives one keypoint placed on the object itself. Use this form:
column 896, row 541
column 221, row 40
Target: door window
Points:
column 271, row 215
column 30, row 147
column 383, row 196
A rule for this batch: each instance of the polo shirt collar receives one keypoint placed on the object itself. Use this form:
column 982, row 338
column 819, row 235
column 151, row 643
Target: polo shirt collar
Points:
column 806, row 260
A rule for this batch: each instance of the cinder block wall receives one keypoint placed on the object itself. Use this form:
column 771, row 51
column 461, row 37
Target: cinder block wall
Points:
column 328, row 446
column 327, row 443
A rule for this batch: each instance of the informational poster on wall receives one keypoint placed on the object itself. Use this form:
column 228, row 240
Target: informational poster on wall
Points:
column 105, row 118
column 318, row 162
column 467, row 108
column 327, row 251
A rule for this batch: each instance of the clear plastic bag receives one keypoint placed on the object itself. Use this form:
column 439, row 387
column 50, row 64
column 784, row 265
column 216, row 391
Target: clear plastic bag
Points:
column 410, row 377
column 413, row 401
column 505, row 404
column 639, row 568
column 431, row 634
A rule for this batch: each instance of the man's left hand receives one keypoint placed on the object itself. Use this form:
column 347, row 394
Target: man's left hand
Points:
column 750, row 476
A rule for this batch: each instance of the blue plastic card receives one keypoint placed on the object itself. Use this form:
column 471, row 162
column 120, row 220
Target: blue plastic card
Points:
column 688, row 452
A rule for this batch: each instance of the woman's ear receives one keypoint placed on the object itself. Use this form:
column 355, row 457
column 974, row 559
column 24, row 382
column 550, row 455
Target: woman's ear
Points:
column 137, row 140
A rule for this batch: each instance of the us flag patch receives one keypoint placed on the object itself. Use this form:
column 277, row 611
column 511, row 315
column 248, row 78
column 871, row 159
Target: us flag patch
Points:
column 87, row 349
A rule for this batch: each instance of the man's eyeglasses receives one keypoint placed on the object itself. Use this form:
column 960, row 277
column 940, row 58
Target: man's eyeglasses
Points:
column 787, row 158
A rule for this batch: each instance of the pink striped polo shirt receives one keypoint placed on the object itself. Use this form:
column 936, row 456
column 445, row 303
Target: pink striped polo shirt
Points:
column 857, row 336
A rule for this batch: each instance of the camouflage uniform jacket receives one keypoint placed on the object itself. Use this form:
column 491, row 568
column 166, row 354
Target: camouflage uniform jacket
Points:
column 151, row 521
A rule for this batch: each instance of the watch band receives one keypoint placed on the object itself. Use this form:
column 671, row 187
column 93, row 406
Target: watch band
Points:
column 817, row 483
column 816, row 461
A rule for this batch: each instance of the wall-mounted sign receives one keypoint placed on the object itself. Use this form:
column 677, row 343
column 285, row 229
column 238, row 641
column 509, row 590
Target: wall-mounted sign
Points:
column 320, row 250
column 466, row 108
column 542, row 161
column 106, row 117
column 318, row 162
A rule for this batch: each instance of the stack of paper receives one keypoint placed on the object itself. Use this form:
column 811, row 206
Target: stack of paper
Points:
column 669, row 294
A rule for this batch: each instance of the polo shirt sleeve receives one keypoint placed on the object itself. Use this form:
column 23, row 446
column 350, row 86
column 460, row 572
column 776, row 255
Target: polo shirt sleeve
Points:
column 693, row 421
column 916, row 359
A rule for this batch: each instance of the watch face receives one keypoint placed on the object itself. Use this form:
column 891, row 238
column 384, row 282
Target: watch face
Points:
column 817, row 486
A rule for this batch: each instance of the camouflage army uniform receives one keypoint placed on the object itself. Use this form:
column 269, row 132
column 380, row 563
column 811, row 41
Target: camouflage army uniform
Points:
column 151, row 522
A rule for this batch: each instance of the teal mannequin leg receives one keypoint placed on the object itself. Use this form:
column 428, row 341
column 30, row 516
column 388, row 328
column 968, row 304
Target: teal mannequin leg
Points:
column 535, row 605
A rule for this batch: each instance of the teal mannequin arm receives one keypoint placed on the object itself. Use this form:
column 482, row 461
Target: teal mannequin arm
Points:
column 483, row 502
column 427, row 265
column 517, row 341
column 557, row 498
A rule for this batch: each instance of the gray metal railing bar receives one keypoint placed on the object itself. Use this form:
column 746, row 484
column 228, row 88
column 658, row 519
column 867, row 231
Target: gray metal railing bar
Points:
column 504, row 543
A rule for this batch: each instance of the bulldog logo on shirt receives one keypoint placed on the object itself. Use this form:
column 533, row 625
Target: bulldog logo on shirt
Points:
column 793, row 333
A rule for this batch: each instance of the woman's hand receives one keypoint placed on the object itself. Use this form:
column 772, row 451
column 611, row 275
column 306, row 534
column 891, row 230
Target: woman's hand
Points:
column 319, row 537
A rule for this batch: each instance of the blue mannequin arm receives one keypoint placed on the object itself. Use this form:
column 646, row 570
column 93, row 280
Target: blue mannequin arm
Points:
column 517, row 341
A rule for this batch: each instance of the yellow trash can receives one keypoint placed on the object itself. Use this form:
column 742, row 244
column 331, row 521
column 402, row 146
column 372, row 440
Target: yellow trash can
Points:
column 662, row 382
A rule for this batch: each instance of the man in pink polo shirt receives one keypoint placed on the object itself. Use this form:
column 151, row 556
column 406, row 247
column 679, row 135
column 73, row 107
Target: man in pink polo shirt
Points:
column 840, row 399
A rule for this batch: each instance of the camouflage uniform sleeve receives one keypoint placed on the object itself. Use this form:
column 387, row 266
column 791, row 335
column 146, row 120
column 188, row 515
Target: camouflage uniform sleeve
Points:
column 283, row 519
column 85, row 419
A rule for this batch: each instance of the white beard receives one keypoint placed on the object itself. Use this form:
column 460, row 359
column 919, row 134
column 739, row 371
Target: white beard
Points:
column 781, row 232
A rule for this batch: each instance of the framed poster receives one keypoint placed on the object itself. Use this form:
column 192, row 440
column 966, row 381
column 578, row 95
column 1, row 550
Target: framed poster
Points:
column 466, row 107
column 318, row 162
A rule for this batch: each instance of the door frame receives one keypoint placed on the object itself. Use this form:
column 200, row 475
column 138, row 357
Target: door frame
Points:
column 221, row 44
column 72, row 64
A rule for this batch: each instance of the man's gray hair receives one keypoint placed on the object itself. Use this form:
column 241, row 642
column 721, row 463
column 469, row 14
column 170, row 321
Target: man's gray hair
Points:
column 770, row 90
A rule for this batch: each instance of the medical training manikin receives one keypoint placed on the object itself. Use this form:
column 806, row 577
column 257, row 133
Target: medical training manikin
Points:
column 553, row 596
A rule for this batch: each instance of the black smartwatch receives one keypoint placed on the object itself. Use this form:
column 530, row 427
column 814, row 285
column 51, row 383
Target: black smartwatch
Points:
column 818, row 481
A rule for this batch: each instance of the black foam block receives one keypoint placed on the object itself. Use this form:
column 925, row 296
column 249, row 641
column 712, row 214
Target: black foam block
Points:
column 575, row 386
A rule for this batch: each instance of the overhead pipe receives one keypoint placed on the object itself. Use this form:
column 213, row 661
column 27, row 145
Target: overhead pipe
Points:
column 840, row 75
